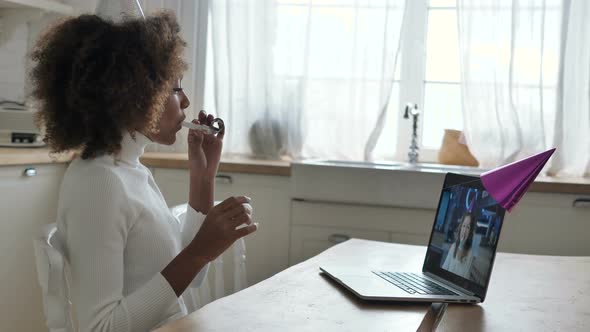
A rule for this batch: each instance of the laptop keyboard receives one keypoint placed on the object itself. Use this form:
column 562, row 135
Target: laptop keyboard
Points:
column 413, row 283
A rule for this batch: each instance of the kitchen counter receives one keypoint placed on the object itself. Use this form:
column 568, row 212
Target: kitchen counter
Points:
column 229, row 165
column 27, row 156
column 377, row 176
column 561, row 185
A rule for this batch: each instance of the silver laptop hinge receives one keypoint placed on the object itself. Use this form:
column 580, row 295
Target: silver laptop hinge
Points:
column 450, row 285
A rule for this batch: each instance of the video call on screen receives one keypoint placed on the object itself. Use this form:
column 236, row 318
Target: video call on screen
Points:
column 466, row 232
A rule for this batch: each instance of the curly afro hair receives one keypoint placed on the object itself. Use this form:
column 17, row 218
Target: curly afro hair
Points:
column 93, row 79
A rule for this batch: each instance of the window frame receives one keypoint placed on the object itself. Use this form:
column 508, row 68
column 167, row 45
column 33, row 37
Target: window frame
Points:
column 413, row 78
column 201, row 25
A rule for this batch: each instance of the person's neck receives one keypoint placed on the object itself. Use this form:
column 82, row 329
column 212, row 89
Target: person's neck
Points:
column 461, row 245
column 461, row 250
column 146, row 135
column 132, row 148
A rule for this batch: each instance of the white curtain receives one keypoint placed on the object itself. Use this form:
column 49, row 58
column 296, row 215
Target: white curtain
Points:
column 525, row 75
column 572, row 125
column 188, row 14
column 303, row 78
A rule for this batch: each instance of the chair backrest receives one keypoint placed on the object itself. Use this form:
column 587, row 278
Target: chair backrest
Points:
column 51, row 266
column 51, row 262
column 210, row 291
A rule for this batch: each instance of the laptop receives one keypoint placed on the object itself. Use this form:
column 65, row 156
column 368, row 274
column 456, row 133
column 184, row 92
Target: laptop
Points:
column 459, row 257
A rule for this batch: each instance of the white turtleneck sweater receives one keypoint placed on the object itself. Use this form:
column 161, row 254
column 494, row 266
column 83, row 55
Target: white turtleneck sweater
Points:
column 119, row 235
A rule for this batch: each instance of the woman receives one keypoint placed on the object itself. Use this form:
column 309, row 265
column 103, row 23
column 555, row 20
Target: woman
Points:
column 460, row 257
column 108, row 90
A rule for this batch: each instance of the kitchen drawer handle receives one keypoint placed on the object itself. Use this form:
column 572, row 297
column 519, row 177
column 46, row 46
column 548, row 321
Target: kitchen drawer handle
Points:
column 30, row 172
column 581, row 203
column 338, row 238
column 223, row 179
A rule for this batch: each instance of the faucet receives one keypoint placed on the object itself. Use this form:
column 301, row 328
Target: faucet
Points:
column 412, row 109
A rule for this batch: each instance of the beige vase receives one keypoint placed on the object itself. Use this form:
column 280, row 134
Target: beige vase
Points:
column 452, row 152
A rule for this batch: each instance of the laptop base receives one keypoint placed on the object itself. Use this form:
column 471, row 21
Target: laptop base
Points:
column 368, row 286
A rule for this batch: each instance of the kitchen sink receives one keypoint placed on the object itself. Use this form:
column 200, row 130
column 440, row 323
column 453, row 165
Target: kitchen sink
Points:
column 349, row 163
column 380, row 183
column 444, row 168
column 425, row 167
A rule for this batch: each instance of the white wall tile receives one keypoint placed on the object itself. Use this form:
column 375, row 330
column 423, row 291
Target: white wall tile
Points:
column 13, row 50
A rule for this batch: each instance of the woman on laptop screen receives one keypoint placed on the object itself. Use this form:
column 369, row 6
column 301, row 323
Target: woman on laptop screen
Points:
column 460, row 256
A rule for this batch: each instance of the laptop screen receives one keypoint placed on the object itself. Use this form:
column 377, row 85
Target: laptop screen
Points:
column 465, row 234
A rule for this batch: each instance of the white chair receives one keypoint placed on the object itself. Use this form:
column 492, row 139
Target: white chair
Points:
column 52, row 265
column 211, row 290
column 51, row 271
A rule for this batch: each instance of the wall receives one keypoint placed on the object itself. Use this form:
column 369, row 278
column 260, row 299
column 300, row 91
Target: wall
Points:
column 13, row 49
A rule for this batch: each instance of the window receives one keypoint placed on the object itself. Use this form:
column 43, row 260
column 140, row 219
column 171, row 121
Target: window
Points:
column 355, row 31
column 442, row 92
column 427, row 73
column 430, row 75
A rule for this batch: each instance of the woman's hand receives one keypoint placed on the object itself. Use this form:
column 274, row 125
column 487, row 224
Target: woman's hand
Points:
column 204, row 154
column 218, row 231
column 204, row 149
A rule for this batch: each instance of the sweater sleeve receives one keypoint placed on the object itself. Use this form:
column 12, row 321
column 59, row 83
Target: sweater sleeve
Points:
column 97, row 221
column 193, row 221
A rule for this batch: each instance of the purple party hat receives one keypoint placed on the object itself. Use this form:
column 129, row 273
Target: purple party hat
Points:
column 507, row 184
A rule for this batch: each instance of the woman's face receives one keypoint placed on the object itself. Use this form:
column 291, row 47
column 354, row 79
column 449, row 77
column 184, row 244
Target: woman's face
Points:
column 171, row 120
column 465, row 229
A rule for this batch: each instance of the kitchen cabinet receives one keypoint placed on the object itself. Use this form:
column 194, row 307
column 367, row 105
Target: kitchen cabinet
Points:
column 267, row 248
column 544, row 223
column 548, row 224
column 28, row 200
column 317, row 226
column 308, row 241
column 21, row 23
